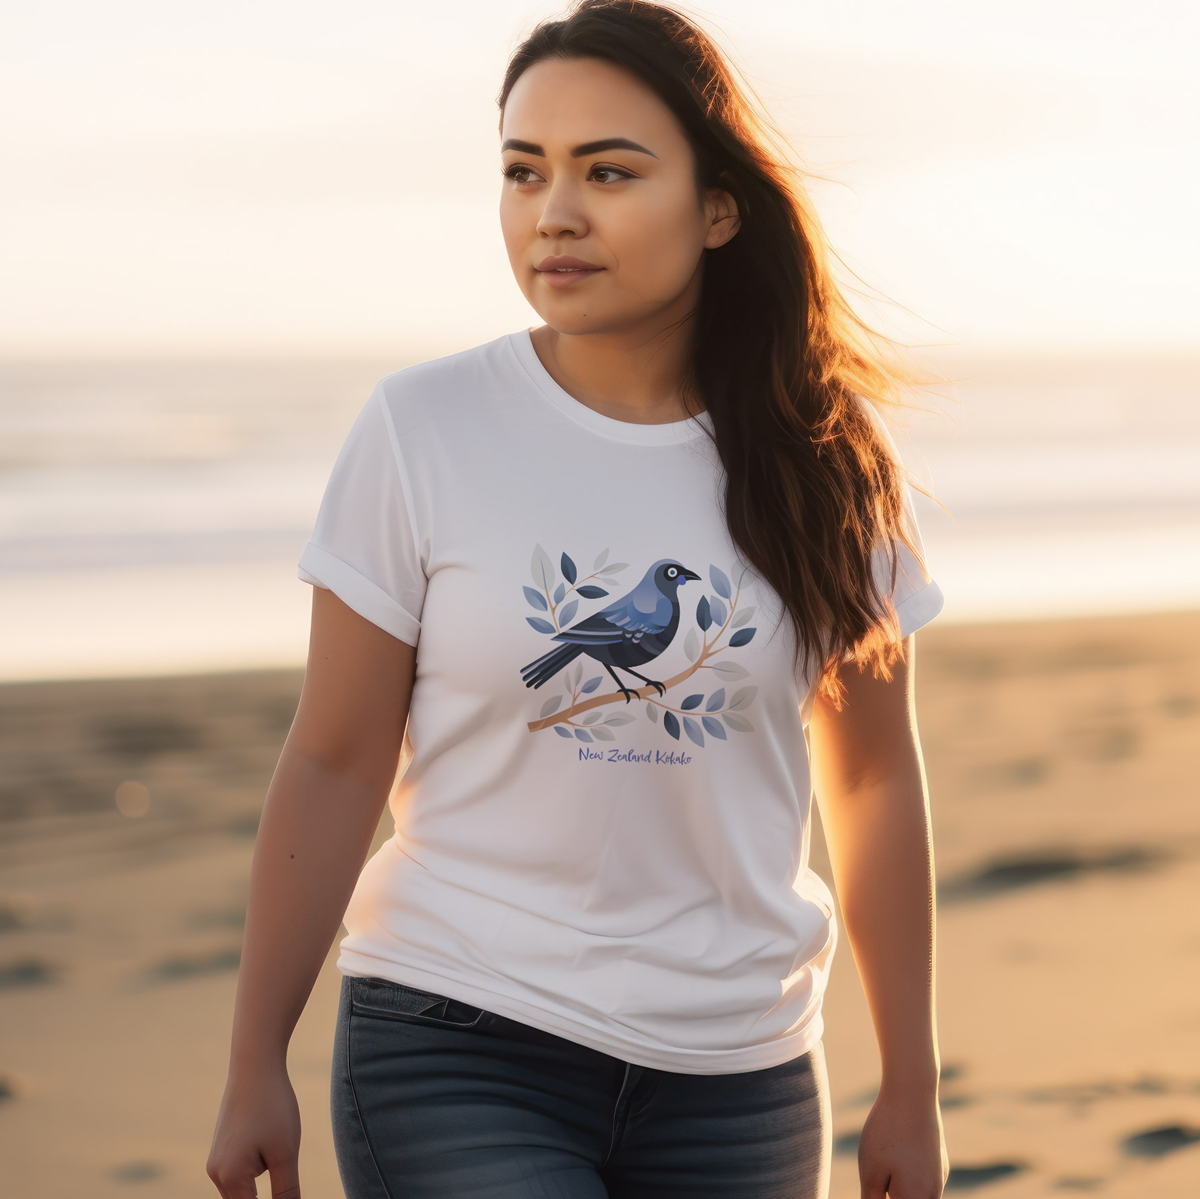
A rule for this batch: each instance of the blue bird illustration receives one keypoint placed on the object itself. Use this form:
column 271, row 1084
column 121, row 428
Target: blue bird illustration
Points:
column 630, row 632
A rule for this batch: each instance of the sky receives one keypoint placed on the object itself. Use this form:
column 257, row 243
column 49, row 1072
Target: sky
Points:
column 269, row 178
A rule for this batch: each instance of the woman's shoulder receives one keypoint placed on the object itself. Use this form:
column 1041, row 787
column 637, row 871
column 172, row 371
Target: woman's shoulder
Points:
column 443, row 388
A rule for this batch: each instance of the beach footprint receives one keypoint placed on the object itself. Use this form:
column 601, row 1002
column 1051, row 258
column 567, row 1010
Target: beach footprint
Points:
column 1159, row 1141
column 1015, row 871
column 185, row 966
column 27, row 972
column 142, row 1170
column 969, row 1178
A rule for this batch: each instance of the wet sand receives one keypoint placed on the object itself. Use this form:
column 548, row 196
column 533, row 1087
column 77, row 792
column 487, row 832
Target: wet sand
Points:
column 1061, row 758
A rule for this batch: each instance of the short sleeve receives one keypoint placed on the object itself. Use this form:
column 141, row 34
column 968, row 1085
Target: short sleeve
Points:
column 364, row 546
column 917, row 600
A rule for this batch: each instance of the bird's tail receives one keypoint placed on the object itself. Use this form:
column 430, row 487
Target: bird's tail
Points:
column 549, row 664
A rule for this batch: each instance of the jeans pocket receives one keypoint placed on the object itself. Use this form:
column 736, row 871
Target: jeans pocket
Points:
column 380, row 998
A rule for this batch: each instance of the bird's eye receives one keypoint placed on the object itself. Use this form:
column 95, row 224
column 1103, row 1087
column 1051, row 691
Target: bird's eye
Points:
column 672, row 571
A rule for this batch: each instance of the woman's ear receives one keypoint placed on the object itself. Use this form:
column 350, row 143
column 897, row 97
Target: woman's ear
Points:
column 723, row 216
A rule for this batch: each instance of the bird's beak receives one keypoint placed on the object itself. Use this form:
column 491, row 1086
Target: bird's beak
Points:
column 687, row 574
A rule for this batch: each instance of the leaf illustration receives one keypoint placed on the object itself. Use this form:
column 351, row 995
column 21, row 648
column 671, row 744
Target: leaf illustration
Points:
column 651, row 711
column 738, row 722
column 558, row 728
column 619, row 718
column 692, row 701
column 542, row 626
column 613, row 567
column 583, row 734
column 742, row 637
column 731, row 670
column 602, row 734
column 703, row 618
column 693, row 730
column 718, row 610
column 713, row 725
column 593, row 716
column 691, row 645
column 715, row 700
column 720, row 581
column 551, row 705
column 536, row 598
column 671, row 724
column 568, row 568
column 568, row 612
column 743, row 697
column 559, row 592
column 541, row 568
column 741, row 617
column 590, row 685
column 600, row 560
column 589, row 591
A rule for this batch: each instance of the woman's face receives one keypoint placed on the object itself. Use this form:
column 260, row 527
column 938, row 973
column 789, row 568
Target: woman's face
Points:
column 627, row 206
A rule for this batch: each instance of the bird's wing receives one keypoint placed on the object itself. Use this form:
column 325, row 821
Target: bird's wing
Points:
column 623, row 621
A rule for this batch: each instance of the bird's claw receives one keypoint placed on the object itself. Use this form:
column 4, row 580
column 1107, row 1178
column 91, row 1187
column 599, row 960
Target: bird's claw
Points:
column 661, row 689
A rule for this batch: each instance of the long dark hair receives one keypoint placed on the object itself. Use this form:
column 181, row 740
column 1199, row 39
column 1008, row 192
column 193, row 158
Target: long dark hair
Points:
column 780, row 360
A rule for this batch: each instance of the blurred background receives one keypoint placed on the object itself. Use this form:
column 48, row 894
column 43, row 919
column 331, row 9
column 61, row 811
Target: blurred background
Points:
column 224, row 222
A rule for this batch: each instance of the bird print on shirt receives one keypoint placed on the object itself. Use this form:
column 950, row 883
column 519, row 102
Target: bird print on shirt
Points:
column 631, row 631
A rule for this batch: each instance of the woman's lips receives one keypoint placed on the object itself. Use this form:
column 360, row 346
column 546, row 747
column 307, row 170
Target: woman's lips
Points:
column 567, row 278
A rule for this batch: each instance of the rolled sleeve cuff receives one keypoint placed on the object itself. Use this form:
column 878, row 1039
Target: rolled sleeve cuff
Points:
column 919, row 608
column 322, row 569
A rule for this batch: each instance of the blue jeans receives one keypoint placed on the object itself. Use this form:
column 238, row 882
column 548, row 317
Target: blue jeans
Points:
column 433, row 1097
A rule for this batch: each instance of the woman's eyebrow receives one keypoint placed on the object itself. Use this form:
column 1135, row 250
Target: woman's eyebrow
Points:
column 607, row 143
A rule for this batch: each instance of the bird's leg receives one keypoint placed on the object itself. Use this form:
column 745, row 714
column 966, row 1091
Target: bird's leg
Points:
column 624, row 690
column 653, row 682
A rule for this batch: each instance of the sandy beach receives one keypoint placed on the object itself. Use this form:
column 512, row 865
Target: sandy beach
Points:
column 1060, row 756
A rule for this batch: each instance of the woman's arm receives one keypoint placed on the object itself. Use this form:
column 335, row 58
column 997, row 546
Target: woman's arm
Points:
column 870, row 786
column 322, row 808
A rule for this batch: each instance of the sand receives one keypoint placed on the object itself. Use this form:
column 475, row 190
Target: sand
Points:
column 1060, row 756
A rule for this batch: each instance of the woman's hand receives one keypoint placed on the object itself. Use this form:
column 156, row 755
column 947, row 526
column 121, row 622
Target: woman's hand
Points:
column 902, row 1148
column 258, row 1128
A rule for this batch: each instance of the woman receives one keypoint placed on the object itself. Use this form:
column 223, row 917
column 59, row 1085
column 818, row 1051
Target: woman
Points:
column 594, row 579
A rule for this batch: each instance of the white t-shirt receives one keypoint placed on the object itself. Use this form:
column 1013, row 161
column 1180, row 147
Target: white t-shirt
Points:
column 629, row 874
